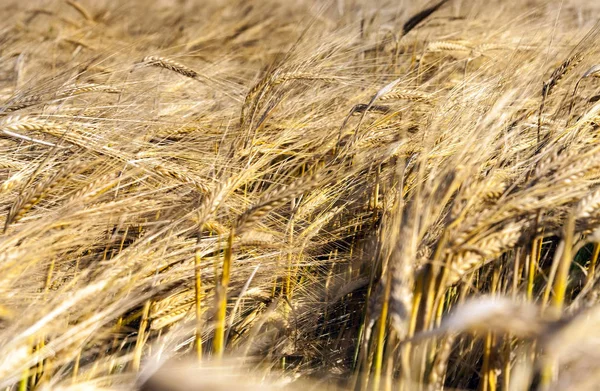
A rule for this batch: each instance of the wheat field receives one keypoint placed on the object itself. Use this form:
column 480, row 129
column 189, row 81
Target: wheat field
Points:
column 299, row 195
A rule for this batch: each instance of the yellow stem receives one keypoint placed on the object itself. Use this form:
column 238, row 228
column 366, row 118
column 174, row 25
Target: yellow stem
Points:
column 139, row 343
column 593, row 262
column 560, row 284
column 533, row 261
column 219, row 339
column 381, row 332
column 198, row 277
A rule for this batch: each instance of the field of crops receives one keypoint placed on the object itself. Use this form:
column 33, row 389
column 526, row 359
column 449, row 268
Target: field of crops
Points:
column 299, row 195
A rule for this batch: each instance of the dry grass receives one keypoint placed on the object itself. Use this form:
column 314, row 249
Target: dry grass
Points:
column 388, row 195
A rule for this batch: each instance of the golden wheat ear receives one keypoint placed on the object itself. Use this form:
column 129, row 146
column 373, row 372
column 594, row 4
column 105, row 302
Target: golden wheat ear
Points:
column 34, row 195
column 169, row 64
column 22, row 103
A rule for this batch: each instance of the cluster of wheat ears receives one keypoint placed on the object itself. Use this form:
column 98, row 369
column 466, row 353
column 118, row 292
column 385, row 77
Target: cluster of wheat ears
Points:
column 351, row 194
